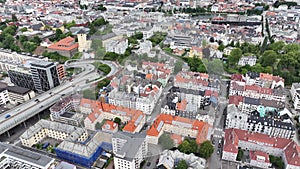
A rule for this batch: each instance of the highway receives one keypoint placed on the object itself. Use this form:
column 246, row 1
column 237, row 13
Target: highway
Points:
column 32, row 107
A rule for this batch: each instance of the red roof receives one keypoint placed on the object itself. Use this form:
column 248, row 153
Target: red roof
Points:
column 254, row 155
column 252, row 88
column 235, row 99
column 66, row 44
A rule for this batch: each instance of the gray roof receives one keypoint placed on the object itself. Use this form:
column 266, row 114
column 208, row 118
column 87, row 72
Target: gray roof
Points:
column 132, row 145
column 25, row 155
column 17, row 89
column 41, row 63
column 251, row 101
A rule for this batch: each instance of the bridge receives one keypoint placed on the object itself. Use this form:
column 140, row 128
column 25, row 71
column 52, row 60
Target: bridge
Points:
column 25, row 111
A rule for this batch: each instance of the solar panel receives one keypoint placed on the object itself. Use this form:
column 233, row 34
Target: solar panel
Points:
column 161, row 123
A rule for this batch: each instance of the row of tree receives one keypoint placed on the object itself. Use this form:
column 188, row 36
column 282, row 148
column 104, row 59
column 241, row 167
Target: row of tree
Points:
column 277, row 58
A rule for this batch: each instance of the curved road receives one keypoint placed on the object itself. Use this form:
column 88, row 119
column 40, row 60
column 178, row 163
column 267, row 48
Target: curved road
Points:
column 32, row 107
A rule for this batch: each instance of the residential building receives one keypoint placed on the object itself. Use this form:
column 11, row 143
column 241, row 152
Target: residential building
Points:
column 3, row 96
column 194, row 81
column 285, row 148
column 44, row 75
column 273, row 123
column 110, row 126
column 177, row 125
column 169, row 158
column 65, row 47
column 18, row 94
column 117, row 46
column 99, row 111
column 129, row 150
column 228, row 50
column 16, row 157
column 247, row 60
column 295, row 93
column 21, row 77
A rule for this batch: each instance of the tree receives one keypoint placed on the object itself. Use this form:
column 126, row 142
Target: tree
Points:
column 10, row 30
column 165, row 141
column 206, row 149
column 277, row 46
column 221, row 47
column 99, row 22
column 14, row 18
column 101, row 8
column 117, row 120
column 276, row 161
column 240, row 155
column 98, row 126
column 36, row 40
column 178, row 66
column 234, row 56
column 268, row 58
column 29, row 46
column 182, row 165
column 24, row 29
column 292, row 48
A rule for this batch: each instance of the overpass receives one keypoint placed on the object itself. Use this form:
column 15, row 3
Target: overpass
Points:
column 34, row 106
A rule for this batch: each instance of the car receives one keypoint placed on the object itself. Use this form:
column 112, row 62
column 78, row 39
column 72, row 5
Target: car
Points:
column 219, row 146
column 218, row 152
column 148, row 164
column 213, row 141
column 7, row 116
column 37, row 100
column 62, row 94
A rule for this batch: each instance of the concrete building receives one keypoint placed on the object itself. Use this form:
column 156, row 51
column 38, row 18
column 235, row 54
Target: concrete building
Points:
column 65, row 47
column 83, row 43
column 19, row 94
column 44, row 75
column 259, row 159
column 129, row 150
column 295, row 93
column 15, row 157
column 21, row 77
column 61, row 71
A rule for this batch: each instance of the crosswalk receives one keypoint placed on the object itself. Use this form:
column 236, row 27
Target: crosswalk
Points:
column 218, row 133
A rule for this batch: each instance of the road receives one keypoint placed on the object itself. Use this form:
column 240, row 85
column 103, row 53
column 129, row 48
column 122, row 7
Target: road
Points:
column 32, row 107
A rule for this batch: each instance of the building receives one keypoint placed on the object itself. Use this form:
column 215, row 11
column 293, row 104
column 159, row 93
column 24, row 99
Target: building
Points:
column 77, row 144
column 129, row 150
column 61, row 71
column 295, row 93
column 65, row 165
column 178, row 125
column 21, row 77
column 193, row 80
column 65, row 47
column 98, row 111
column 19, row 94
column 83, row 44
column 65, row 110
column 110, row 126
column 259, row 159
column 247, row 60
column 44, row 75
column 265, row 144
column 3, row 96
column 273, row 123
column 117, row 46
column 168, row 159
column 16, row 157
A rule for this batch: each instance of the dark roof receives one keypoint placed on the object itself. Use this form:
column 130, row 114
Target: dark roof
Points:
column 17, row 89
column 251, row 101
column 2, row 89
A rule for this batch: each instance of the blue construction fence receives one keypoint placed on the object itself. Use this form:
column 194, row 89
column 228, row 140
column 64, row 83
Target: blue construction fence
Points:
column 82, row 160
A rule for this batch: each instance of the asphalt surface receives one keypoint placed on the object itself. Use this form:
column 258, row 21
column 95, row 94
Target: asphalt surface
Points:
column 32, row 107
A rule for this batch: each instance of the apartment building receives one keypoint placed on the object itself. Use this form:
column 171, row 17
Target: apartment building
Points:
column 247, row 60
column 265, row 144
column 98, row 111
column 12, row 156
column 273, row 123
column 295, row 93
column 44, row 75
column 55, row 130
column 194, row 81
column 129, row 150
column 177, row 125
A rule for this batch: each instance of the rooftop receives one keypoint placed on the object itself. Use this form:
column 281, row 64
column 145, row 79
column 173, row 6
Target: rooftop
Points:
column 66, row 44
column 17, row 90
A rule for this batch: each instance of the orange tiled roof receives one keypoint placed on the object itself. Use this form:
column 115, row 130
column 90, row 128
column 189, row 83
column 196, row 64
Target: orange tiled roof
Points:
column 112, row 125
column 254, row 154
column 66, row 44
column 182, row 105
